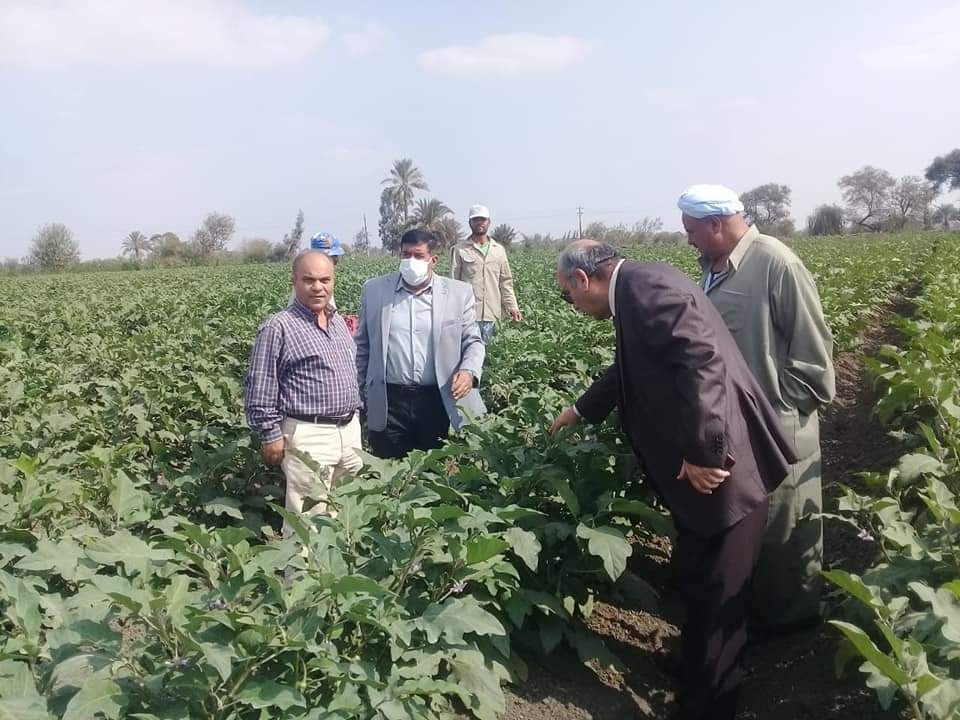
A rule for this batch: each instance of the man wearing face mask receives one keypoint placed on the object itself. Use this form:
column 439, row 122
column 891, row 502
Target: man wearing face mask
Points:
column 419, row 352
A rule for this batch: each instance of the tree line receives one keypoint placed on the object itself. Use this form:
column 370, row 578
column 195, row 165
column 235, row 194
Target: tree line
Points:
column 878, row 202
column 874, row 201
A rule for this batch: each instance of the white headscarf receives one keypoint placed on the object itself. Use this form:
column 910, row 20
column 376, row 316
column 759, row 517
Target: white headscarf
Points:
column 700, row 201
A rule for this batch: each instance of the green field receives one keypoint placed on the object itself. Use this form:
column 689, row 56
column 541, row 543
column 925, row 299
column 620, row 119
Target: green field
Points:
column 141, row 576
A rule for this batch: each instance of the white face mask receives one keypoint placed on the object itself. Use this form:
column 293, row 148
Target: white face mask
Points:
column 414, row 271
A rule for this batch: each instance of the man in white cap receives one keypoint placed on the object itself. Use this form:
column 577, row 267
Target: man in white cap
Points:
column 482, row 262
column 769, row 301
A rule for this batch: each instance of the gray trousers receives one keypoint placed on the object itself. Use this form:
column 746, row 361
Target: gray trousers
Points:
column 786, row 582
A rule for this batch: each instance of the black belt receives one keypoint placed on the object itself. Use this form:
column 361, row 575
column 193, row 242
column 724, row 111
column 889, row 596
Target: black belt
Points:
column 410, row 389
column 323, row 419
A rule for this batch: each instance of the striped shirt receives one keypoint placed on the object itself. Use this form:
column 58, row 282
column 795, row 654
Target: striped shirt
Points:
column 712, row 278
column 298, row 368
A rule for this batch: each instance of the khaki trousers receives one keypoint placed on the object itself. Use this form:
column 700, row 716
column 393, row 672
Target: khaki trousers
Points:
column 333, row 448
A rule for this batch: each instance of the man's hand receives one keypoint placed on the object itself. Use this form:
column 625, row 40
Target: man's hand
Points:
column 516, row 315
column 568, row 418
column 273, row 452
column 351, row 322
column 704, row 480
column 462, row 384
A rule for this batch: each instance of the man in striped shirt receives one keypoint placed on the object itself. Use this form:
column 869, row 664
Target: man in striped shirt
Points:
column 301, row 388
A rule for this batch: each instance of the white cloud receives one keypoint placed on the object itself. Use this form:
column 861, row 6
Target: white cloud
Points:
column 514, row 54
column 366, row 41
column 930, row 42
column 220, row 33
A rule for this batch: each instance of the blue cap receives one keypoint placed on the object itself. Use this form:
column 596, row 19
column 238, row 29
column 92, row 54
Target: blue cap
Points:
column 327, row 243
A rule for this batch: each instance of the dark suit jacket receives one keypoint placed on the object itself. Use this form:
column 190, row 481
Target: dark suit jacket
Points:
column 685, row 392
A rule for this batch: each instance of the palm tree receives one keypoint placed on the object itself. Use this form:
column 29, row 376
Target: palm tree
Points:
column 429, row 213
column 136, row 244
column 449, row 231
column 405, row 177
column 504, row 234
column 945, row 214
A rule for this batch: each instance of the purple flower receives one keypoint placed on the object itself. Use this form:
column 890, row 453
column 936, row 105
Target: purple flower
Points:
column 458, row 587
column 218, row 604
column 416, row 567
column 865, row 536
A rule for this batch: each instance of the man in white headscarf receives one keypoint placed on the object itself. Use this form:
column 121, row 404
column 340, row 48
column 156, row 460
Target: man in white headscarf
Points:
column 769, row 301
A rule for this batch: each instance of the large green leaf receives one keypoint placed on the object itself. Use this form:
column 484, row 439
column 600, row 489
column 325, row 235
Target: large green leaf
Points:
column 525, row 545
column 914, row 465
column 99, row 696
column 23, row 606
column 16, row 680
column 871, row 653
column 129, row 503
column 75, row 672
column 224, row 506
column 477, row 675
column 945, row 606
column 122, row 547
column 220, row 657
column 456, row 617
column 264, row 693
column 609, row 545
column 25, row 708
column 856, row 587
column 480, row 549
column 61, row 558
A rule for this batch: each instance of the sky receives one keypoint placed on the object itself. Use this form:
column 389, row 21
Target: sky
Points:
column 146, row 115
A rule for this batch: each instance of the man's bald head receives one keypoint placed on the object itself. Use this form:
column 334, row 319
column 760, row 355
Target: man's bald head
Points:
column 312, row 256
column 312, row 279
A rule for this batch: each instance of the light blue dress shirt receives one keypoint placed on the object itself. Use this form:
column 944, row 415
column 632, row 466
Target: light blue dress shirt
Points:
column 410, row 343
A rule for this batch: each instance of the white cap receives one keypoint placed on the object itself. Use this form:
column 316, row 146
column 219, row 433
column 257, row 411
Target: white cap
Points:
column 479, row 211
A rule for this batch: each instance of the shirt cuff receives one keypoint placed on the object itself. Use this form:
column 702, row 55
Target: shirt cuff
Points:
column 576, row 411
column 271, row 434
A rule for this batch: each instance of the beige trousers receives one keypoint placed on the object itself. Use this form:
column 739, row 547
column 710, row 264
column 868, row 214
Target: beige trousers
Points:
column 333, row 448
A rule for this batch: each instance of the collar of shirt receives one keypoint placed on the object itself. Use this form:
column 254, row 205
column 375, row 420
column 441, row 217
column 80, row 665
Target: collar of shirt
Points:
column 736, row 256
column 469, row 243
column 307, row 313
column 485, row 247
column 401, row 285
column 612, row 292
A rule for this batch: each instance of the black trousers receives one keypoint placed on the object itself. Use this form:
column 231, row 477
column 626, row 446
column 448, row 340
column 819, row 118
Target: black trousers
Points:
column 715, row 577
column 416, row 420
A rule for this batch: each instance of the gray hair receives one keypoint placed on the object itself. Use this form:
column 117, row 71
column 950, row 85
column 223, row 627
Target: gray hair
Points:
column 585, row 255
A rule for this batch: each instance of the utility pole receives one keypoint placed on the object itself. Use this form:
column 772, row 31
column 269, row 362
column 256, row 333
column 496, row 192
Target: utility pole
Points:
column 366, row 236
column 580, row 221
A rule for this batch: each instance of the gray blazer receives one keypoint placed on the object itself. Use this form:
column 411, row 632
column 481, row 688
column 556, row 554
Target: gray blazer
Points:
column 456, row 341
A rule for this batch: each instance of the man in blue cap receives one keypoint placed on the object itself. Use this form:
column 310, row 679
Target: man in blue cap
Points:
column 329, row 244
